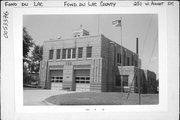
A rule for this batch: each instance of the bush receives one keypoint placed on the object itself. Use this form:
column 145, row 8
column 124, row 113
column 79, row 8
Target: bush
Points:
column 28, row 79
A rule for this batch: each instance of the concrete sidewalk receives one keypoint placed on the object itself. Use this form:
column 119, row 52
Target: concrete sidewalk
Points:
column 37, row 96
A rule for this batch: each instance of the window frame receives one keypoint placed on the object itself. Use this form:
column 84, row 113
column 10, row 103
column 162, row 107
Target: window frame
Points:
column 89, row 52
column 73, row 53
column 80, row 53
column 69, row 53
column 58, row 53
column 64, row 53
column 51, row 52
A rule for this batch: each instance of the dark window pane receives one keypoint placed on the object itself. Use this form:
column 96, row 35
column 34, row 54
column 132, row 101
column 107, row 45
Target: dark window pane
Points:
column 132, row 60
column 80, row 52
column 74, row 53
column 89, row 52
column 77, row 78
column 125, row 80
column 124, row 58
column 82, row 78
column 64, row 54
column 118, row 80
column 58, row 53
column 50, row 54
column 69, row 54
column 118, row 58
column 82, row 81
column 128, row 61
column 87, row 81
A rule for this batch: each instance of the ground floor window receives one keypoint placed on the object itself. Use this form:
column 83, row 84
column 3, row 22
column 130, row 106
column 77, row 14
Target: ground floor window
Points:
column 57, row 79
column 125, row 80
column 118, row 80
column 82, row 79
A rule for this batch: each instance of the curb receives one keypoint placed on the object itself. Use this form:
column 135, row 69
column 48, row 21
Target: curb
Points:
column 48, row 103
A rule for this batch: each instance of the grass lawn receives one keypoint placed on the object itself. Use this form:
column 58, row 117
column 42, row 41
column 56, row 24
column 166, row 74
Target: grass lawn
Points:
column 106, row 98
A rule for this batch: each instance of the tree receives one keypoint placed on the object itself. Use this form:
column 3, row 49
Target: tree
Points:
column 36, row 58
column 27, row 42
column 37, row 53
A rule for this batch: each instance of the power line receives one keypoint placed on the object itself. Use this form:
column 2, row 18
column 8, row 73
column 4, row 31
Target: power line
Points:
column 146, row 36
column 152, row 50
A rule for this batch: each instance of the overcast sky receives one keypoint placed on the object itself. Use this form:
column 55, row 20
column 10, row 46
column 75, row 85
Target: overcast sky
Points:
column 143, row 26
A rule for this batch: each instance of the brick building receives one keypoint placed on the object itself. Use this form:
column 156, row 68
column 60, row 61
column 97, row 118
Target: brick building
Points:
column 92, row 63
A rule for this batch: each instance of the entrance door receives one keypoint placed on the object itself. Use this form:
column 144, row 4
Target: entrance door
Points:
column 82, row 79
column 56, row 78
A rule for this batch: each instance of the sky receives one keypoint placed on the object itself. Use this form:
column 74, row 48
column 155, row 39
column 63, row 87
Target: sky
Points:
column 143, row 26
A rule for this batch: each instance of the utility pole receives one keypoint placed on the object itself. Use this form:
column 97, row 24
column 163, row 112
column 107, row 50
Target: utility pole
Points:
column 122, row 87
column 138, row 72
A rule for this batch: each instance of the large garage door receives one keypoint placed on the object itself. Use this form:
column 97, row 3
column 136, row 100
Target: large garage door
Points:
column 56, row 79
column 82, row 78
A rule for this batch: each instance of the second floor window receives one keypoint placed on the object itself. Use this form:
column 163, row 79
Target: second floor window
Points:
column 89, row 52
column 118, row 58
column 80, row 52
column 128, row 61
column 58, row 53
column 74, row 53
column 69, row 53
column 64, row 54
column 50, row 54
column 132, row 60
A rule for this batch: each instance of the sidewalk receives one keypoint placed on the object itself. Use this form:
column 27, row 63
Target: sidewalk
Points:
column 37, row 96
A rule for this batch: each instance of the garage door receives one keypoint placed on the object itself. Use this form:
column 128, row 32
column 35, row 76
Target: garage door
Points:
column 82, row 78
column 56, row 77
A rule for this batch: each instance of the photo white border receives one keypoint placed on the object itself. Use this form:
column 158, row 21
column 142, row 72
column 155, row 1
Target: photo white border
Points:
column 17, row 23
column 11, row 84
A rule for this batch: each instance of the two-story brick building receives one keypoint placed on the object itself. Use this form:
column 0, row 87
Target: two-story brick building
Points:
column 91, row 63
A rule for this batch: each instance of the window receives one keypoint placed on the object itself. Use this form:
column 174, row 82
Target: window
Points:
column 128, row 61
column 80, row 52
column 57, row 79
column 136, row 82
column 132, row 60
column 136, row 63
column 82, row 79
column 74, row 53
column 118, row 80
column 118, row 60
column 69, row 53
column 50, row 54
column 125, row 80
column 89, row 52
column 124, row 58
column 64, row 54
column 58, row 54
